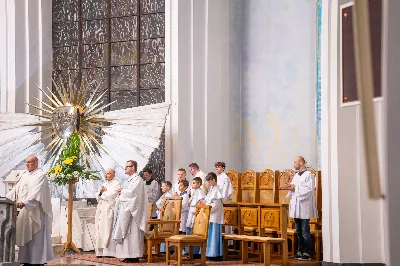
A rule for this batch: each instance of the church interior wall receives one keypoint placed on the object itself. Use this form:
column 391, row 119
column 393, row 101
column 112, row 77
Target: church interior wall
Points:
column 278, row 78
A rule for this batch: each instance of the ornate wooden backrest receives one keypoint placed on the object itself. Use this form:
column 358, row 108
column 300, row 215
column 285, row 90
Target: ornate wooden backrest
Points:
column 235, row 179
column 171, row 210
column 249, row 217
column 201, row 221
column 275, row 217
column 150, row 206
column 269, row 188
column 249, row 191
column 285, row 178
column 317, row 222
column 231, row 216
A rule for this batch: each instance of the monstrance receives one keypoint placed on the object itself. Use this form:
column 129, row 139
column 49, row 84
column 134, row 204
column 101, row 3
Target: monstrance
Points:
column 106, row 138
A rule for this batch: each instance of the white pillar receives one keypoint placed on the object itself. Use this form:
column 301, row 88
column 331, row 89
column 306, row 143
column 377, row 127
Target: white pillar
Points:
column 197, row 74
column 391, row 92
column 352, row 224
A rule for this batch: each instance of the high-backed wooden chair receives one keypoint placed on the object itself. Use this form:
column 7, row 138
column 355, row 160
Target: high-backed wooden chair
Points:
column 235, row 179
column 166, row 226
column 285, row 178
column 198, row 238
column 316, row 223
column 269, row 186
column 249, row 191
column 269, row 192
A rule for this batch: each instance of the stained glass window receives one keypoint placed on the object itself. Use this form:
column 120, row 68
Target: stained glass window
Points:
column 116, row 45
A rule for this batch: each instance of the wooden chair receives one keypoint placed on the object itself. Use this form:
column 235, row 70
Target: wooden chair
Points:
column 149, row 229
column 198, row 238
column 235, row 179
column 285, row 178
column 166, row 226
column 316, row 223
column 259, row 216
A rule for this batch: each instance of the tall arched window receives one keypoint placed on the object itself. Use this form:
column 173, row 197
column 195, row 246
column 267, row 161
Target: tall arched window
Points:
column 118, row 43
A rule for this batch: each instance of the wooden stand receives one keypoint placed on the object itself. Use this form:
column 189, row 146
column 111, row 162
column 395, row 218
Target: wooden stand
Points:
column 69, row 244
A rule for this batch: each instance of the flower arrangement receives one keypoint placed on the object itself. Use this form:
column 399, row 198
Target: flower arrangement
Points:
column 67, row 167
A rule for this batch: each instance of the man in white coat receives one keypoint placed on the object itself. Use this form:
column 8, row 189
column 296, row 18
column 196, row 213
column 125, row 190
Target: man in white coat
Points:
column 302, row 206
column 32, row 196
column 106, row 197
column 131, row 216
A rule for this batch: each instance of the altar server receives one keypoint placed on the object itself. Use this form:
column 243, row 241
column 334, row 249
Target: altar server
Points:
column 32, row 196
column 196, row 197
column 131, row 216
column 106, row 197
column 196, row 172
column 225, row 185
column 302, row 206
column 214, row 199
column 183, row 185
column 153, row 190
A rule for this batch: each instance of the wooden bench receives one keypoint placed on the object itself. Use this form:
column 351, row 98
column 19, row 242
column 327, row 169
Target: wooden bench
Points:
column 256, row 216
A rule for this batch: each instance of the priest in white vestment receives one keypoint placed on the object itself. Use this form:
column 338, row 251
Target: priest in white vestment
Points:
column 32, row 196
column 196, row 172
column 131, row 216
column 302, row 207
column 106, row 197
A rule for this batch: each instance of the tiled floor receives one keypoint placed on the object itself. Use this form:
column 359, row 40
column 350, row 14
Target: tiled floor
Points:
column 89, row 259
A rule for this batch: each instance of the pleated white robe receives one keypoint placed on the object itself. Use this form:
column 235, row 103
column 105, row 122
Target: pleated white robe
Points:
column 33, row 222
column 105, row 217
column 131, row 218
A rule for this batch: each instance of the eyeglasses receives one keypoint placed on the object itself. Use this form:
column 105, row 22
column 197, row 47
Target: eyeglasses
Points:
column 128, row 166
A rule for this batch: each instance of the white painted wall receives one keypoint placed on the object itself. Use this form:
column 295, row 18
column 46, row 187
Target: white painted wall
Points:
column 353, row 225
column 278, row 70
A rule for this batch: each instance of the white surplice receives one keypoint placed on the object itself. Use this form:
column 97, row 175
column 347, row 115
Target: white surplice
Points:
column 214, row 199
column 225, row 185
column 131, row 217
column 197, row 194
column 302, row 203
column 34, row 220
column 105, row 217
column 153, row 194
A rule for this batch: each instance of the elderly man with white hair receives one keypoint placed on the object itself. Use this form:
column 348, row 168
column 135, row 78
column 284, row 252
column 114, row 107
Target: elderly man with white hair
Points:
column 32, row 196
column 106, row 197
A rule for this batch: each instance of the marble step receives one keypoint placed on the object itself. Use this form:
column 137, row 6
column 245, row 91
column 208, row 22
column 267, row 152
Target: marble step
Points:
column 86, row 212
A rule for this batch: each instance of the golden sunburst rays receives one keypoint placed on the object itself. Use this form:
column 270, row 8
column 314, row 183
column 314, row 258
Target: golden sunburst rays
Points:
column 70, row 109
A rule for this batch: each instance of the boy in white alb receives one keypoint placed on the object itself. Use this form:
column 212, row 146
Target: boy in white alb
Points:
column 214, row 199
column 225, row 185
column 183, row 185
column 166, row 189
column 196, row 196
